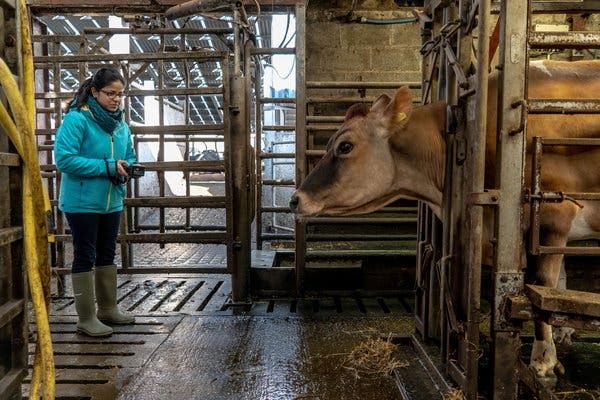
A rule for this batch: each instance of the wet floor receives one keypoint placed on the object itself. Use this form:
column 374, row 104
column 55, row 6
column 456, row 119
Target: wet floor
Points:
column 266, row 358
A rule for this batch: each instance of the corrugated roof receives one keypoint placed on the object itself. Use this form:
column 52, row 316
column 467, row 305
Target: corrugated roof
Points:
column 202, row 74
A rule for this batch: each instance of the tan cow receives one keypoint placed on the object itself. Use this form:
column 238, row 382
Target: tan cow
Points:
column 396, row 151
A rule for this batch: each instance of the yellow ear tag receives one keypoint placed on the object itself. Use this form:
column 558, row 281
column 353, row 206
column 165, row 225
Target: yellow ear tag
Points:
column 400, row 117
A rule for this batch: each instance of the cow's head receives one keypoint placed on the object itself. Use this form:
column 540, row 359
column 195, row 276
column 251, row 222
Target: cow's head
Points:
column 360, row 171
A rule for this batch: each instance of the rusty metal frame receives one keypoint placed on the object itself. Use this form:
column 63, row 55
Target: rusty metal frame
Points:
column 132, row 230
column 537, row 197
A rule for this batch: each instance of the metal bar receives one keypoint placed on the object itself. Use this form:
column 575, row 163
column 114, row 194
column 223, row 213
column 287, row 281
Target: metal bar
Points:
column 278, row 182
column 200, row 269
column 572, row 141
column 509, row 179
column 312, row 128
column 241, row 231
column 8, row 4
column 10, row 235
column 275, row 209
column 162, row 182
column 177, row 202
column 201, row 166
column 475, row 168
column 10, row 160
column 455, row 65
column 9, row 310
column 325, row 119
column 187, row 237
column 141, row 92
column 561, row 7
column 178, row 227
column 277, row 100
column 587, row 251
column 564, row 106
column 564, row 40
column 336, row 100
column 277, row 155
column 194, row 7
column 168, row 56
column 10, row 383
column 178, row 129
column 358, row 220
column 279, row 128
column 58, row 38
column 360, row 85
column 301, row 142
column 258, row 122
column 434, row 372
column 157, row 31
column 315, row 153
column 536, row 187
column 273, row 50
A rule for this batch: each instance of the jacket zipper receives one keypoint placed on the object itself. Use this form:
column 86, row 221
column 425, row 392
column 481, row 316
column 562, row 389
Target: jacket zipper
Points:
column 110, row 185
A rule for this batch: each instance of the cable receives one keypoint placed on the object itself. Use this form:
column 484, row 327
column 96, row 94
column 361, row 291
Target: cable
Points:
column 364, row 20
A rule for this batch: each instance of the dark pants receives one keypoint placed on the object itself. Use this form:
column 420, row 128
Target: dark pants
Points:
column 94, row 239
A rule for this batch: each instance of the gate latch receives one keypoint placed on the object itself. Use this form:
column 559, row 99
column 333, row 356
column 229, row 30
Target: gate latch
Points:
column 486, row 198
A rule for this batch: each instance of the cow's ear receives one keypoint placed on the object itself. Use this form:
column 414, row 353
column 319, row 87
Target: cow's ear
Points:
column 356, row 110
column 400, row 108
column 381, row 103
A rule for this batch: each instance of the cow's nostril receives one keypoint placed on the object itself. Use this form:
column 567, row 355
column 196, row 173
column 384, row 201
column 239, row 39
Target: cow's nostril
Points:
column 294, row 202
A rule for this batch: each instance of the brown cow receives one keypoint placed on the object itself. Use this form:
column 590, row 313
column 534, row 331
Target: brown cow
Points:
column 396, row 151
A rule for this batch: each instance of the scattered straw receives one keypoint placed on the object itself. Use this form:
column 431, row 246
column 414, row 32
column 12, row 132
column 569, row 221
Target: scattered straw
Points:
column 455, row 394
column 373, row 357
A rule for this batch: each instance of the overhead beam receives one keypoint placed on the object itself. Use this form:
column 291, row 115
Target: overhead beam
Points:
column 132, row 6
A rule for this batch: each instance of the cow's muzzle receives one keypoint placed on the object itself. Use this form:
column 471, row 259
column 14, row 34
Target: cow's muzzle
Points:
column 294, row 201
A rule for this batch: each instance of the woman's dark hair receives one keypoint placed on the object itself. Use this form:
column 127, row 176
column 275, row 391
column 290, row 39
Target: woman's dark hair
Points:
column 103, row 77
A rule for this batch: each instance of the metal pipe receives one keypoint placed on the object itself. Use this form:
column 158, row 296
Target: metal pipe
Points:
column 196, row 7
column 301, row 164
column 476, row 166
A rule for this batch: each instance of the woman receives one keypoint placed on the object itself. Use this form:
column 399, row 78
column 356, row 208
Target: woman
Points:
column 92, row 149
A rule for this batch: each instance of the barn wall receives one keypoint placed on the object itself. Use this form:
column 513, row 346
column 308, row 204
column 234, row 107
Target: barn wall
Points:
column 340, row 50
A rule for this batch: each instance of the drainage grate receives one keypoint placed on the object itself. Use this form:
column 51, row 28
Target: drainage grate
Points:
column 96, row 368
column 162, row 294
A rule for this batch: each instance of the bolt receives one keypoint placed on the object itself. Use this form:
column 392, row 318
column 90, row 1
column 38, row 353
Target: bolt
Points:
column 10, row 41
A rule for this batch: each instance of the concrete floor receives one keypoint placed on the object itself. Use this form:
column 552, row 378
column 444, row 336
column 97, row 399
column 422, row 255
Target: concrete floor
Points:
column 188, row 344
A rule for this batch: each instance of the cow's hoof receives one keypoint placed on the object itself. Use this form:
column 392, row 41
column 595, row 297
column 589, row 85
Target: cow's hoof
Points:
column 563, row 335
column 559, row 369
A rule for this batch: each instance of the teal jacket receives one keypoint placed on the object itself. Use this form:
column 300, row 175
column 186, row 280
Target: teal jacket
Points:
column 83, row 151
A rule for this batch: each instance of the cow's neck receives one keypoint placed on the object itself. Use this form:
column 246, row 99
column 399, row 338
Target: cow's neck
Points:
column 421, row 145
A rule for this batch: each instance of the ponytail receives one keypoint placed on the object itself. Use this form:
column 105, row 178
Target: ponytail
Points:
column 103, row 77
column 82, row 94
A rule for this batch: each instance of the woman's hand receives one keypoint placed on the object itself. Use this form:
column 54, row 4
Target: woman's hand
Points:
column 121, row 164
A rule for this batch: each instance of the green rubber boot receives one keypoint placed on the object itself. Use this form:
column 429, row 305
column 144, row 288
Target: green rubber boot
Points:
column 106, row 295
column 83, row 290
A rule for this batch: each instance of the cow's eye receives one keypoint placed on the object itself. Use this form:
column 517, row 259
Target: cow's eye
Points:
column 345, row 147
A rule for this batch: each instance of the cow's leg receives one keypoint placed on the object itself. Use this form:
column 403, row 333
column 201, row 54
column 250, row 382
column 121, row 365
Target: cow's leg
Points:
column 563, row 334
column 543, row 353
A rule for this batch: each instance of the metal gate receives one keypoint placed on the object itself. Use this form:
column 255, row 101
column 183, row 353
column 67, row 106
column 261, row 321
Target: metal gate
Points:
column 449, row 275
column 186, row 93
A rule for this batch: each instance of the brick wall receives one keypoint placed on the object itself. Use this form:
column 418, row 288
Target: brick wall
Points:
column 340, row 50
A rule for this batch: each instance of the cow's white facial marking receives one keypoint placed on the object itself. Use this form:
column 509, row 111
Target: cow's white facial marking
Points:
column 539, row 64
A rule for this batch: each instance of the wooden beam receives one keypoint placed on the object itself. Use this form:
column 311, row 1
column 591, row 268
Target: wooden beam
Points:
column 564, row 300
column 10, row 159
column 8, row 4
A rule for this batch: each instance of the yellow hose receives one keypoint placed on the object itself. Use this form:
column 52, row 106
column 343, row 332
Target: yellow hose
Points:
column 35, row 233
column 44, row 357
